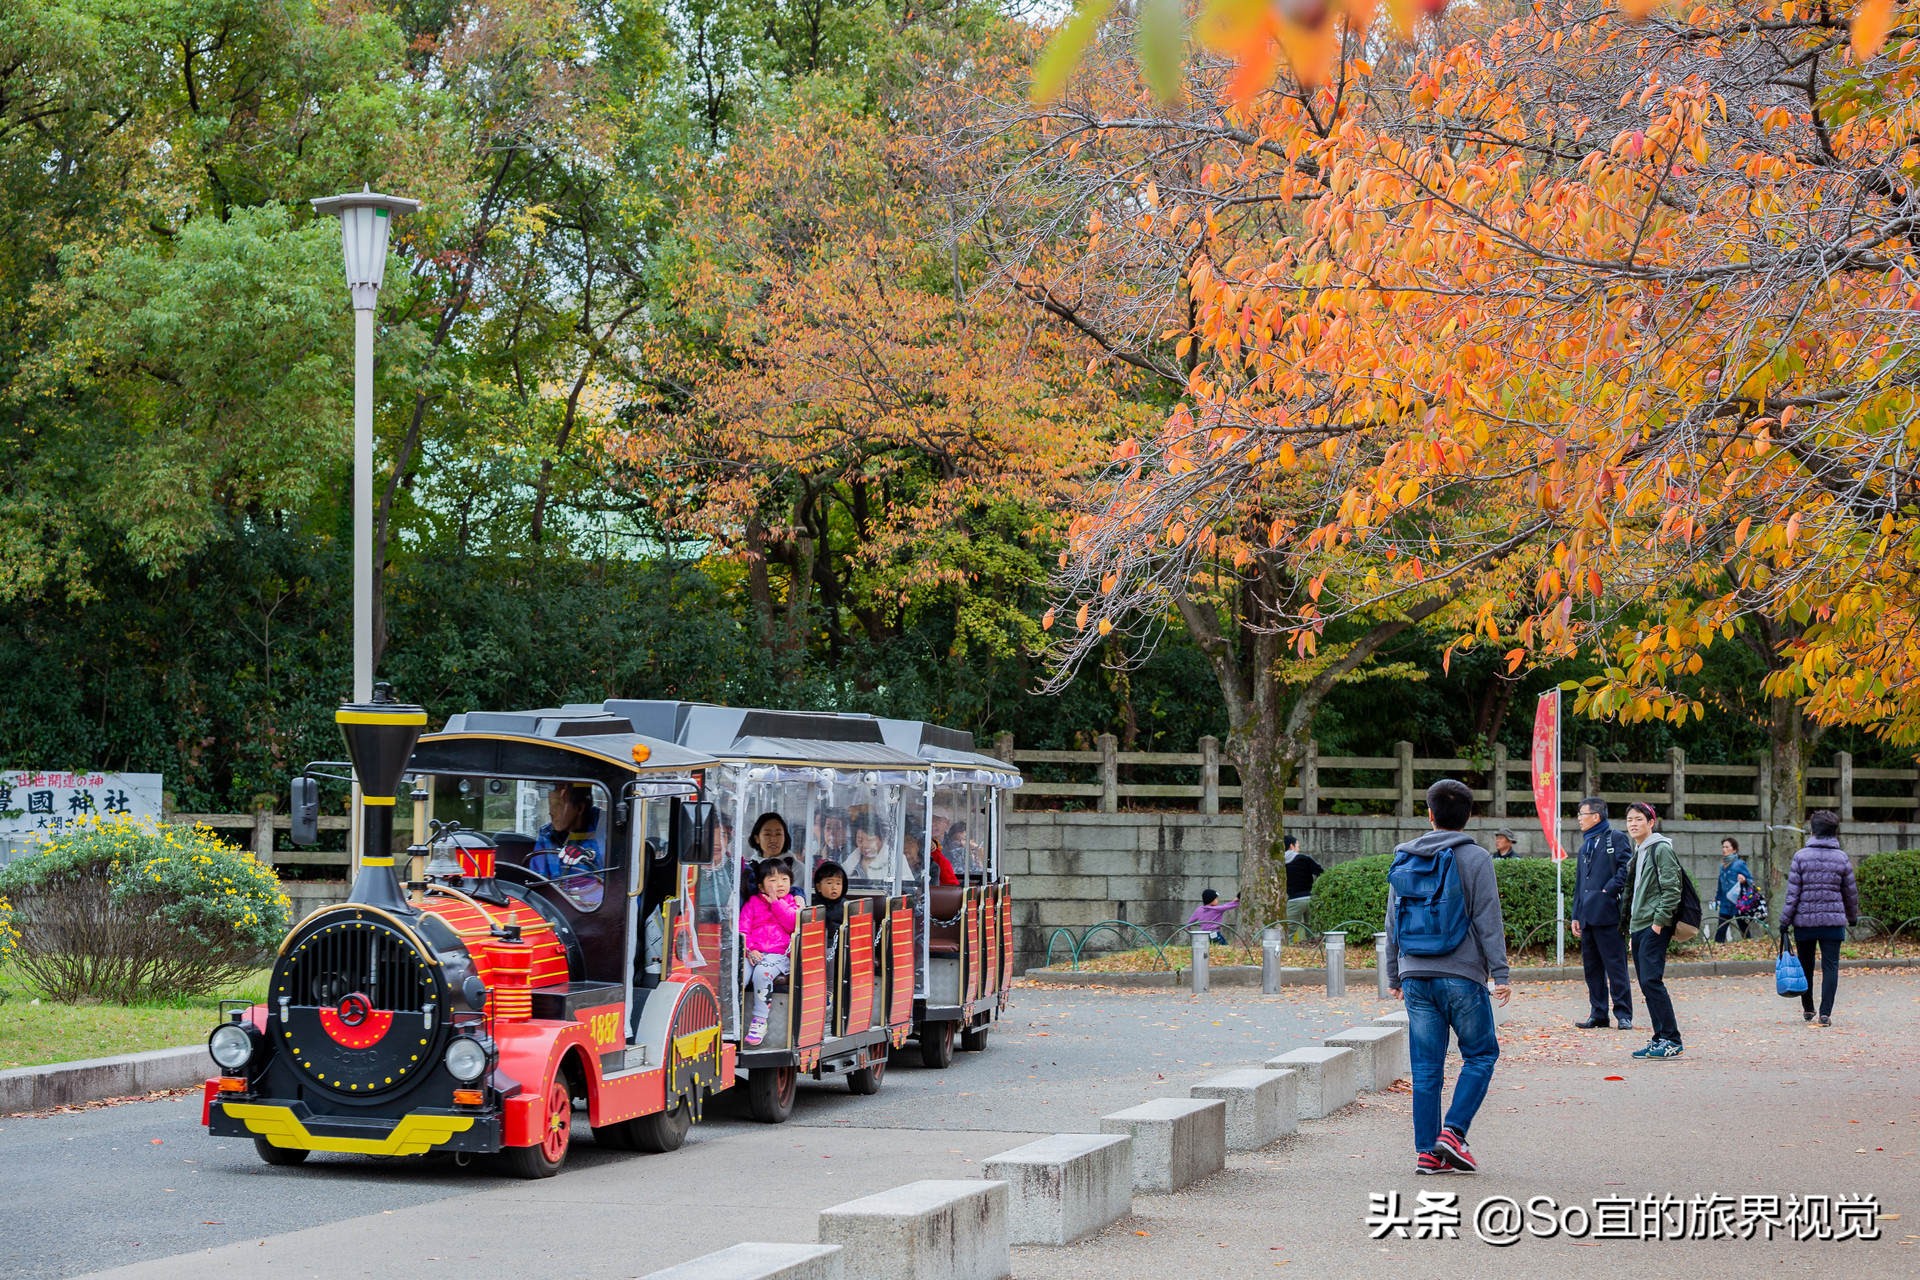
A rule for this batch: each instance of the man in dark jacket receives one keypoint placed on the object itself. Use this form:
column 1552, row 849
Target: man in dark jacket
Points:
column 1605, row 856
column 1447, row 993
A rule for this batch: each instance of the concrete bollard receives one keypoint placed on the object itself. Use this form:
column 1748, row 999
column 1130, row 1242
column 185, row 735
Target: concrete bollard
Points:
column 1176, row 1141
column 1381, row 988
column 1325, row 1079
column 1380, row 1054
column 1261, row 1107
column 933, row 1230
column 756, row 1261
column 1066, row 1187
column 1201, row 940
column 1271, row 940
column 1336, row 944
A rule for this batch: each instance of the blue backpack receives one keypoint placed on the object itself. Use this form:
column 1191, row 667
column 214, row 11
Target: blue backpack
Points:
column 1430, row 904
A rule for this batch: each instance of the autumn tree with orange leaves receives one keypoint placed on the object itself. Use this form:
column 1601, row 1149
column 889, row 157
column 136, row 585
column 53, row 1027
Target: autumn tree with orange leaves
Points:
column 1120, row 217
column 841, row 412
column 1621, row 312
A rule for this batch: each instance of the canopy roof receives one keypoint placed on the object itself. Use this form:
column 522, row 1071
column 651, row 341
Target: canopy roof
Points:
column 571, row 741
column 779, row 737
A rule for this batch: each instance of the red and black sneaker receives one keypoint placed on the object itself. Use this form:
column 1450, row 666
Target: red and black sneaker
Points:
column 1452, row 1148
column 1431, row 1162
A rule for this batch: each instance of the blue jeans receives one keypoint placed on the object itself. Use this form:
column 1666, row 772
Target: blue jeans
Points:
column 1436, row 1006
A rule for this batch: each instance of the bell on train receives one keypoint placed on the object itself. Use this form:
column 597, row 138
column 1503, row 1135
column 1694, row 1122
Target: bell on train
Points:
column 380, row 737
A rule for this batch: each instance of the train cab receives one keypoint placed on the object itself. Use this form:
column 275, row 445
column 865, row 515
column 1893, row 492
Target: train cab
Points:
column 817, row 789
column 548, row 957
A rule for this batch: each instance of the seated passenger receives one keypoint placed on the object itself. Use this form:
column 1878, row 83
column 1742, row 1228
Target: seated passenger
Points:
column 869, row 861
column 960, row 853
column 830, row 894
column 832, row 844
column 943, row 873
column 568, row 849
column 768, row 837
column 766, row 931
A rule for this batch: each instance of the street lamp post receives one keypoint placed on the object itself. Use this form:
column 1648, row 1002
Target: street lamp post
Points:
column 365, row 217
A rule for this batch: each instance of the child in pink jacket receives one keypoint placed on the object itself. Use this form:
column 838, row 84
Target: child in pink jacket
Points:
column 766, row 928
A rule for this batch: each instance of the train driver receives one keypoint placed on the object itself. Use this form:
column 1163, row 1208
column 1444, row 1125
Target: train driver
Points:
column 568, row 849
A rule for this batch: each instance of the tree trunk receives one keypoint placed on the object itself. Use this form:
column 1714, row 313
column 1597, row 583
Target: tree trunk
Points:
column 1787, row 748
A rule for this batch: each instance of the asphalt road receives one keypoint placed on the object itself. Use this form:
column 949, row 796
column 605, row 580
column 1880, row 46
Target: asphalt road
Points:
column 142, row 1187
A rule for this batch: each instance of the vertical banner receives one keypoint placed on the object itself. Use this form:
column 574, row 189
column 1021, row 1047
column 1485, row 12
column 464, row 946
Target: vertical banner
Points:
column 1546, row 770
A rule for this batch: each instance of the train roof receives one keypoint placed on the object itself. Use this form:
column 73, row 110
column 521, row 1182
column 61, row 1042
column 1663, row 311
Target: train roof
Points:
column 541, row 739
column 945, row 748
column 750, row 733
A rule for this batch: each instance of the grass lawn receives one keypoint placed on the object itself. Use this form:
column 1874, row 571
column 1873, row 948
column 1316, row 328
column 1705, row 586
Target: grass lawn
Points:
column 1301, row 955
column 32, row 1034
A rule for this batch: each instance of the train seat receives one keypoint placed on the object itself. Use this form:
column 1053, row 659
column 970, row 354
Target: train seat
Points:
column 944, row 903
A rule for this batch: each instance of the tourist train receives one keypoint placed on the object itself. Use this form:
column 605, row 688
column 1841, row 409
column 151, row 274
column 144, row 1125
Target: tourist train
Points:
column 564, row 934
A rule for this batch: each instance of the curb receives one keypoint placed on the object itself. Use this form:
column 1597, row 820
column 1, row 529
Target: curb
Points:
column 62, row 1084
column 1241, row 975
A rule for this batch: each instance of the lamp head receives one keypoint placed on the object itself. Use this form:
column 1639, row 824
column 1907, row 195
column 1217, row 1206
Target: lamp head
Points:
column 364, row 221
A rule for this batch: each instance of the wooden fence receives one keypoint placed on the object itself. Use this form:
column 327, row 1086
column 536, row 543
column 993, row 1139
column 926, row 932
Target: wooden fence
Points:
column 260, row 827
column 1396, row 784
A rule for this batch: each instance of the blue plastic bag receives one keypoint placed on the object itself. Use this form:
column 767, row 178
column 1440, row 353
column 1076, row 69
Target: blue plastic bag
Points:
column 1789, row 979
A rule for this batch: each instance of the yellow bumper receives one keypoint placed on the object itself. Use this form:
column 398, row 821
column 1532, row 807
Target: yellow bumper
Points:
column 412, row 1136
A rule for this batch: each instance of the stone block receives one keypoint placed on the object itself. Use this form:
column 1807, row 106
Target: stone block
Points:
column 1325, row 1079
column 755, row 1261
column 1261, row 1107
column 1039, row 887
column 932, row 1230
column 1379, row 1054
column 1398, row 1018
column 1176, row 1141
column 1066, row 1187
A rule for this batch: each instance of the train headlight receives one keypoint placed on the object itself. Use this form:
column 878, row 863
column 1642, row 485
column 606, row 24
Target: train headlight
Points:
column 231, row 1045
column 466, row 1058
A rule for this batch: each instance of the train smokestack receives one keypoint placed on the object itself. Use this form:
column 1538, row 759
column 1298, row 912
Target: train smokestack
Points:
column 380, row 737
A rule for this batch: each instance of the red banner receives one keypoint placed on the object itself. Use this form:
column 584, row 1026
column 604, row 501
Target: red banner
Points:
column 1546, row 769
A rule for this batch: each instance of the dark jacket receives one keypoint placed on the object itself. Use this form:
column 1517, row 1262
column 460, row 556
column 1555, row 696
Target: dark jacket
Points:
column 1728, row 898
column 1601, row 875
column 1302, row 871
column 1483, row 954
column 1821, row 893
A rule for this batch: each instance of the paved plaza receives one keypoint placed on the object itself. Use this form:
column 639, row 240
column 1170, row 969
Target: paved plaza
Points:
column 1760, row 1105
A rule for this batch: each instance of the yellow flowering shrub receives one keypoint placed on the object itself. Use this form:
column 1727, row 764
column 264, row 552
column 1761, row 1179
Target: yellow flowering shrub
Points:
column 9, row 934
column 131, row 909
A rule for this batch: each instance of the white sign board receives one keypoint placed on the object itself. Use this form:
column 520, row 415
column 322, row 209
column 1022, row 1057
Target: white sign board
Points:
column 36, row 804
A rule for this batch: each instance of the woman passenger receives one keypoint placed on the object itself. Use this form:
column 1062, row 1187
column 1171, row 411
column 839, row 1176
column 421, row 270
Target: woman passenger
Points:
column 768, row 837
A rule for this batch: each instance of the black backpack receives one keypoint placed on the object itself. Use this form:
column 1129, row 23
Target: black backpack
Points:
column 1686, row 921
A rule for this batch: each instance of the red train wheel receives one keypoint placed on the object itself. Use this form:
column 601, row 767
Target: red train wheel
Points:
column 544, row 1158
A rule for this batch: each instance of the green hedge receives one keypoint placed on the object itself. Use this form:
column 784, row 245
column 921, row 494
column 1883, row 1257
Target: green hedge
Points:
column 1890, row 886
column 1357, row 890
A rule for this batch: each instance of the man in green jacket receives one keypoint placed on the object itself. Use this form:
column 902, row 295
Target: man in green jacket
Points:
column 1656, row 901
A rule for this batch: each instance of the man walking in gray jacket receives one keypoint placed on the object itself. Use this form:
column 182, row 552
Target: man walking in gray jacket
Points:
column 1440, row 957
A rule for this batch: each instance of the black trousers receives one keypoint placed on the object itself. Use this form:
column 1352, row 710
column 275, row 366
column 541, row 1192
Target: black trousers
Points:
column 1603, row 955
column 1829, row 967
column 1650, row 962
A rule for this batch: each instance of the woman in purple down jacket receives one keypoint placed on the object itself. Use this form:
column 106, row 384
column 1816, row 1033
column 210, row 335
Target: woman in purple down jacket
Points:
column 1822, row 900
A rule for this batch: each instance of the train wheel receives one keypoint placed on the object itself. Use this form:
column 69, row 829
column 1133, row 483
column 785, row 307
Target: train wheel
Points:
column 614, row 1137
column 866, row 1081
column 663, row 1130
column 544, row 1158
column 974, row 1039
column 770, row 1093
column 280, row 1156
column 936, row 1045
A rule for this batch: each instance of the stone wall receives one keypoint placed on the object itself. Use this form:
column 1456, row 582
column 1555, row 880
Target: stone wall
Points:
column 1071, row 870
